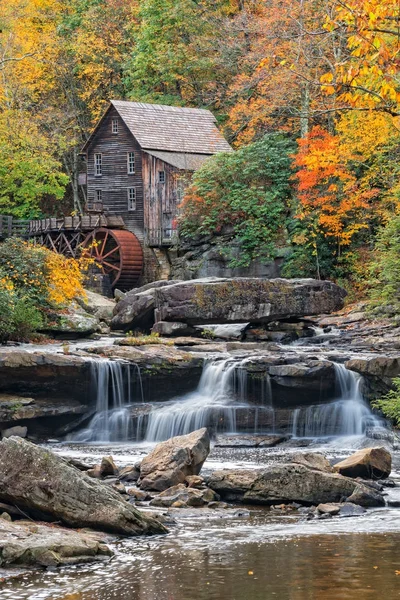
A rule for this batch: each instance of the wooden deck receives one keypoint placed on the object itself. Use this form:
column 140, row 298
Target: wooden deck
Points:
column 77, row 223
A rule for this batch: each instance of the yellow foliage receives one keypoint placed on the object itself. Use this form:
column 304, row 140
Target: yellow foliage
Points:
column 65, row 277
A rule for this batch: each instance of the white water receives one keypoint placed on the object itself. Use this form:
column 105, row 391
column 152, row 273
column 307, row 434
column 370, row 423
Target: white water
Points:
column 113, row 388
column 209, row 405
column 349, row 415
column 221, row 403
column 222, row 392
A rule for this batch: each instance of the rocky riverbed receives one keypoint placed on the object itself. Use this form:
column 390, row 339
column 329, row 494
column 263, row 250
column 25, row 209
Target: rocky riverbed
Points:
column 264, row 512
column 232, row 552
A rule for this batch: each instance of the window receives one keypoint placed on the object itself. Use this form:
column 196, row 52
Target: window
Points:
column 114, row 125
column 161, row 176
column 131, row 163
column 131, row 199
column 98, row 196
column 97, row 164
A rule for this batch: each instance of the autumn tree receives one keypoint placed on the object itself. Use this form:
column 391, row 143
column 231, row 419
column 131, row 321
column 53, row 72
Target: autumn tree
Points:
column 366, row 76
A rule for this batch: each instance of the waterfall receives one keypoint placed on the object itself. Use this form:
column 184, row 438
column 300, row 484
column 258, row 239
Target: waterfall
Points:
column 348, row 415
column 112, row 384
column 209, row 405
column 220, row 402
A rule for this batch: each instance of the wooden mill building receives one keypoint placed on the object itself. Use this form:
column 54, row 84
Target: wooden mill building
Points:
column 139, row 159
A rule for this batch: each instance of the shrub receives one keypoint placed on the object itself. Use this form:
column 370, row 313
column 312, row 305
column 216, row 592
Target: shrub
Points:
column 46, row 278
column 390, row 403
column 19, row 318
column 33, row 280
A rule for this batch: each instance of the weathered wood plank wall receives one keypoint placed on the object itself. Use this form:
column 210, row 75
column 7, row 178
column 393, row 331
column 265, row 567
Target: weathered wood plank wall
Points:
column 115, row 180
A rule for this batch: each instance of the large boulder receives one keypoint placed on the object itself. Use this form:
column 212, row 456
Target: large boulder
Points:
column 31, row 544
column 284, row 483
column 135, row 309
column 244, row 300
column 367, row 463
column 173, row 460
column 45, row 486
column 72, row 322
column 98, row 305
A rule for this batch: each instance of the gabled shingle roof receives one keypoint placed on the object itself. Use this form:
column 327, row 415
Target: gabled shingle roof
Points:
column 171, row 128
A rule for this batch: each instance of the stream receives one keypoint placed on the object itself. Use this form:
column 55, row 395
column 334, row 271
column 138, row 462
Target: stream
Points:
column 239, row 553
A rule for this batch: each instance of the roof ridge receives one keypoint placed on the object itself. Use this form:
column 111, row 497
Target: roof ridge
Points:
column 161, row 107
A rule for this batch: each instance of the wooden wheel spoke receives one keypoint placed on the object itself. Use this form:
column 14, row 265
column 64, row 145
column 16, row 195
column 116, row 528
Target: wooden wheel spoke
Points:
column 111, row 266
column 116, row 249
column 104, row 243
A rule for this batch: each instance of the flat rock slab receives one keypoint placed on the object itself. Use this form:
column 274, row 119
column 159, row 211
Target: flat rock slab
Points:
column 285, row 483
column 250, row 441
column 34, row 544
column 245, row 300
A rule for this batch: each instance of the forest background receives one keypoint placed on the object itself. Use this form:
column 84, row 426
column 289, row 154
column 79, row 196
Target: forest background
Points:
column 306, row 91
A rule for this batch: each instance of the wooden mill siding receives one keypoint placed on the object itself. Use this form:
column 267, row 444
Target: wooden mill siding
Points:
column 115, row 181
column 160, row 199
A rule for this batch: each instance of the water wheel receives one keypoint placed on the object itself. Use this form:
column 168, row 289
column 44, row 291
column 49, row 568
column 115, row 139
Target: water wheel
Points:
column 118, row 253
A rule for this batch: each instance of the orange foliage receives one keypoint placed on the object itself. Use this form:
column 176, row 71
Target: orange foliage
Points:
column 328, row 189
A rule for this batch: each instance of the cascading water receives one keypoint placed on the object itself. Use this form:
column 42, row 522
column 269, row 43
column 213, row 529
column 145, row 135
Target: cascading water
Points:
column 220, row 402
column 113, row 388
column 210, row 405
column 349, row 415
column 221, row 398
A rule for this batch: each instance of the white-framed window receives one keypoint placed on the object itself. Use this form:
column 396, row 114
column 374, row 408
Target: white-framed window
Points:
column 98, row 196
column 114, row 125
column 131, row 199
column 131, row 163
column 161, row 176
column 98, row 161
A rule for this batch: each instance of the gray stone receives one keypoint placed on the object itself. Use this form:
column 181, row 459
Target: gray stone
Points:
column 136, row 308
column 349, row 509
column 98, row 305
column 173, row 460
column 30, row 544
column 231, row 331
column 44, row 485
column 18, row 431
column 245, row 300
column 285, row 483
column 330, row 509
column 171, row 328
column 108, row 466
column 312, row 460
column 75, row 322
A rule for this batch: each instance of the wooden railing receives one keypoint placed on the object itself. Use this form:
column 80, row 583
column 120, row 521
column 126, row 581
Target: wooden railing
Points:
column 10, row 226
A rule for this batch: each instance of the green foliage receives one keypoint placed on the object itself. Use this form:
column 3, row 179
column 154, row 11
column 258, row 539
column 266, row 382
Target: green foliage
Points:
column 19, row 318
column 248, row 191
column 25, row 265
column 390, row 403
column 385, row 269
column 174, row 56
column 28, row 169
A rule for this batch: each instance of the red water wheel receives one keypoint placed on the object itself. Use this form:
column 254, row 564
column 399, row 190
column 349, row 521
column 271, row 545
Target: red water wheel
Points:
column 118, row 253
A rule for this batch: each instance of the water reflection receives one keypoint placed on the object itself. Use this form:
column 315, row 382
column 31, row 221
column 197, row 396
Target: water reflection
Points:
column 203, row 561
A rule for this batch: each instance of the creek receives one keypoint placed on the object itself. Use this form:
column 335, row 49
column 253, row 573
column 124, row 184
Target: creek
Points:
column 240, row 553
